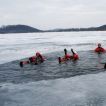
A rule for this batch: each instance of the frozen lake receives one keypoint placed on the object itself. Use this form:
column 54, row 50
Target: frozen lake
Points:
column 50, row 84
column 17, row 46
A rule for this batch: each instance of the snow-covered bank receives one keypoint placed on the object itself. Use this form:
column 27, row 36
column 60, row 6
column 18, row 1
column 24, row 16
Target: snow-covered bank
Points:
column 86, row 90
column 18, row 46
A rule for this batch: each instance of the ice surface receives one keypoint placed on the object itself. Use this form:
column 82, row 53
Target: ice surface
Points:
column 85, row 90
column 18, row 46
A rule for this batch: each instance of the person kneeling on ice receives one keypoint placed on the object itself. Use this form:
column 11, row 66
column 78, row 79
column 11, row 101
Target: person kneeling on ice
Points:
column 74, row 55
column 67, row 56
column 100, row 49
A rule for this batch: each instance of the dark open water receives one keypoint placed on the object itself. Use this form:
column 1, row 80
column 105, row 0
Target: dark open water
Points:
column 50, row 69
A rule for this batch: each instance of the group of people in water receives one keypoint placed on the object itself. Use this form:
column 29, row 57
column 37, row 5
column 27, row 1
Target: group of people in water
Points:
column 38, row 58
column 67, row 56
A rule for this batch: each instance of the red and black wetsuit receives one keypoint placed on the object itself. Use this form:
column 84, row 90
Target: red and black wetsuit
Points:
column 67, row 57
column 39, row 57
column 75, row 56
column 32, row 59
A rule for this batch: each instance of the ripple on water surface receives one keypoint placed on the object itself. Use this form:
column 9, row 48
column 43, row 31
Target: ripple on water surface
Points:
column 50, row 69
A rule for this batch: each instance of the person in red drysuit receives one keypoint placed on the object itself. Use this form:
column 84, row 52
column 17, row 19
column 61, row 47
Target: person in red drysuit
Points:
column 67, row 56
column 32, row 59
column 75, row 55
column 39, row 58
column 100, row 49
column 61, row 60
column 36, row 59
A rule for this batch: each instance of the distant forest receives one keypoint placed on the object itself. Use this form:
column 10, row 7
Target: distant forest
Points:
column 29, row 29
column 18, row 29
column 101, row 28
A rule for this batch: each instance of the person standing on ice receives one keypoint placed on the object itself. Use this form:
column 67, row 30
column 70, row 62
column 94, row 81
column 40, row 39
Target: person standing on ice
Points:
column 74, row 55
column 100, row 49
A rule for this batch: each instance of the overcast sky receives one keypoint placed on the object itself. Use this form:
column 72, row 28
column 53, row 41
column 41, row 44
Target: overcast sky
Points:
column 50, row 14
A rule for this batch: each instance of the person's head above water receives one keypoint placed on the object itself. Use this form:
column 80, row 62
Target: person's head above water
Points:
column 99, row 44
column 65, row 51
column 37, row 54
